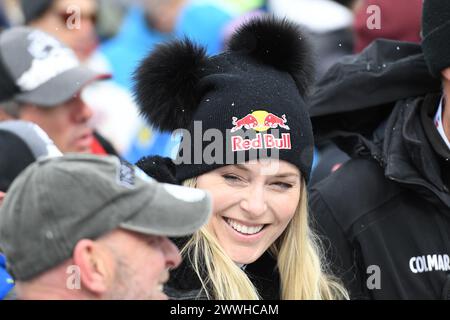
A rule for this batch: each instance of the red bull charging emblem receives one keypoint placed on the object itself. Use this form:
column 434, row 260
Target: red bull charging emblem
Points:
column 260, row 121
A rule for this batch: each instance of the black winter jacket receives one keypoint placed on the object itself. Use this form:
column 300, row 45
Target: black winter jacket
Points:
column 385, row 215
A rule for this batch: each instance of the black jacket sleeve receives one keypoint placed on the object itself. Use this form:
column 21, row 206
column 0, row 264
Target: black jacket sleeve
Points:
column 341, row 254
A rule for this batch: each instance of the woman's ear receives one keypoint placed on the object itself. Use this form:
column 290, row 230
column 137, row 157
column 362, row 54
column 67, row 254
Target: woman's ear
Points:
column 96, row 266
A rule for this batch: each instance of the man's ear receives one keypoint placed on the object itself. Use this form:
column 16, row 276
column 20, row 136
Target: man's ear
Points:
column 28, row 112
column 4, row 116
column 446, row 74
column 96, row 266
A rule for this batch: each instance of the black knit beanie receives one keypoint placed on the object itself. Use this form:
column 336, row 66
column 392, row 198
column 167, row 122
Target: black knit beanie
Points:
column 34, row 9
column 244, row 104
column 436, row 35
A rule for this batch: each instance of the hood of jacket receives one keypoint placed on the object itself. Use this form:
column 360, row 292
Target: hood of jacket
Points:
column 377, row 112
column 360, row 91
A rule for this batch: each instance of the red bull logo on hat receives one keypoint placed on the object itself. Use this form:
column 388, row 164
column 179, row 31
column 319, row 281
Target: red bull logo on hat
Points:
column 260, row 121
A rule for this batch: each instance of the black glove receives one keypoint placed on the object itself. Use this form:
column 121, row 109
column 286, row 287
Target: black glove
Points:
column 159, row 168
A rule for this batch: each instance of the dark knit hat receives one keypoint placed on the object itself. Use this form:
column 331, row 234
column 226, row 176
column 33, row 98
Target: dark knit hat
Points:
column 436, row 35
column 244, row 104
column 34, row 9
column 21, row 143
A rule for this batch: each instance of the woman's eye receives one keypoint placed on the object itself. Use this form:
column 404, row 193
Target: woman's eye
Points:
column 231, row 178
column 282, row 185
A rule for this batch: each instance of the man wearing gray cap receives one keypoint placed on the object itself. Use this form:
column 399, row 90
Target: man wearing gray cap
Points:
column 41, row 81
column 88, row 227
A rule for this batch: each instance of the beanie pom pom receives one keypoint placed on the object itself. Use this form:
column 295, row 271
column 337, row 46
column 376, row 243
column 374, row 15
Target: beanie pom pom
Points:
column 279, row 43
column 166, row 84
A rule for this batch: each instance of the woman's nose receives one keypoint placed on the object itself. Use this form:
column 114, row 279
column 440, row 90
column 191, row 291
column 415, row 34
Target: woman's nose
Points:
column 254, row 202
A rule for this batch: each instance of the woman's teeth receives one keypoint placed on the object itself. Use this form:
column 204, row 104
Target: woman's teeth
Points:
column 244, row 229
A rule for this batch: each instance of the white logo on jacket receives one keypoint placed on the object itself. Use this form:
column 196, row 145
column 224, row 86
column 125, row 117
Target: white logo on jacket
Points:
column 429, row 263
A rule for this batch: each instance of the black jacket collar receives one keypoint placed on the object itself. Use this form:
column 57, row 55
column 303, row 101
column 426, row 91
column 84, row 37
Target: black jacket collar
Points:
column 428, row 112
column 370, row 106
column 409, row 156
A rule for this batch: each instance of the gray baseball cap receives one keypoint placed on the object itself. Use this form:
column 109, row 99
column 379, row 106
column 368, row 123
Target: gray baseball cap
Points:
column 56, row 202
column 36, row 68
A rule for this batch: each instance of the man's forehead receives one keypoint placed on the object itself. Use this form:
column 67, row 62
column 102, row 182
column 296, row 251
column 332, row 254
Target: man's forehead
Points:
column 146, row 237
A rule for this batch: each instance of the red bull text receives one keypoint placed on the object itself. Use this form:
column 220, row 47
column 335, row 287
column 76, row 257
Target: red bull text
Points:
column 267, row 141
column 260, row 121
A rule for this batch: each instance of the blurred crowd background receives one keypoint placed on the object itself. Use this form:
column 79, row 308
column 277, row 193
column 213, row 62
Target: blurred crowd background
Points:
column 114, row 35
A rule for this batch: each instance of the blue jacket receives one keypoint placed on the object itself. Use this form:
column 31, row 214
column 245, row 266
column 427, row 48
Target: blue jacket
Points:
column 124, row 52
column 6, row 281
column 203, row 22
column 133, row 42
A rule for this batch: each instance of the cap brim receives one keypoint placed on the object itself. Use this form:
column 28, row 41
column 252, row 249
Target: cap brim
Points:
column 61, row 88
column 173, row 211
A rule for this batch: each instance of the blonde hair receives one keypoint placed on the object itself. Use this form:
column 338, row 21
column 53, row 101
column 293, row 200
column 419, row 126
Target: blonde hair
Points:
column 302, row 273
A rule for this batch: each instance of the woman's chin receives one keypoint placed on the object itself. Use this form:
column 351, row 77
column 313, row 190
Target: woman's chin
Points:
column 244, row 257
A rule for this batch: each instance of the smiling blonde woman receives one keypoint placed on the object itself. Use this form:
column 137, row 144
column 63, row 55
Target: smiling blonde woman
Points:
column 255, row 158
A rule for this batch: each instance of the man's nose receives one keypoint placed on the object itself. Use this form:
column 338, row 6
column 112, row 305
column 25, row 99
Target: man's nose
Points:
column 82, row 113
column 172, row 254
